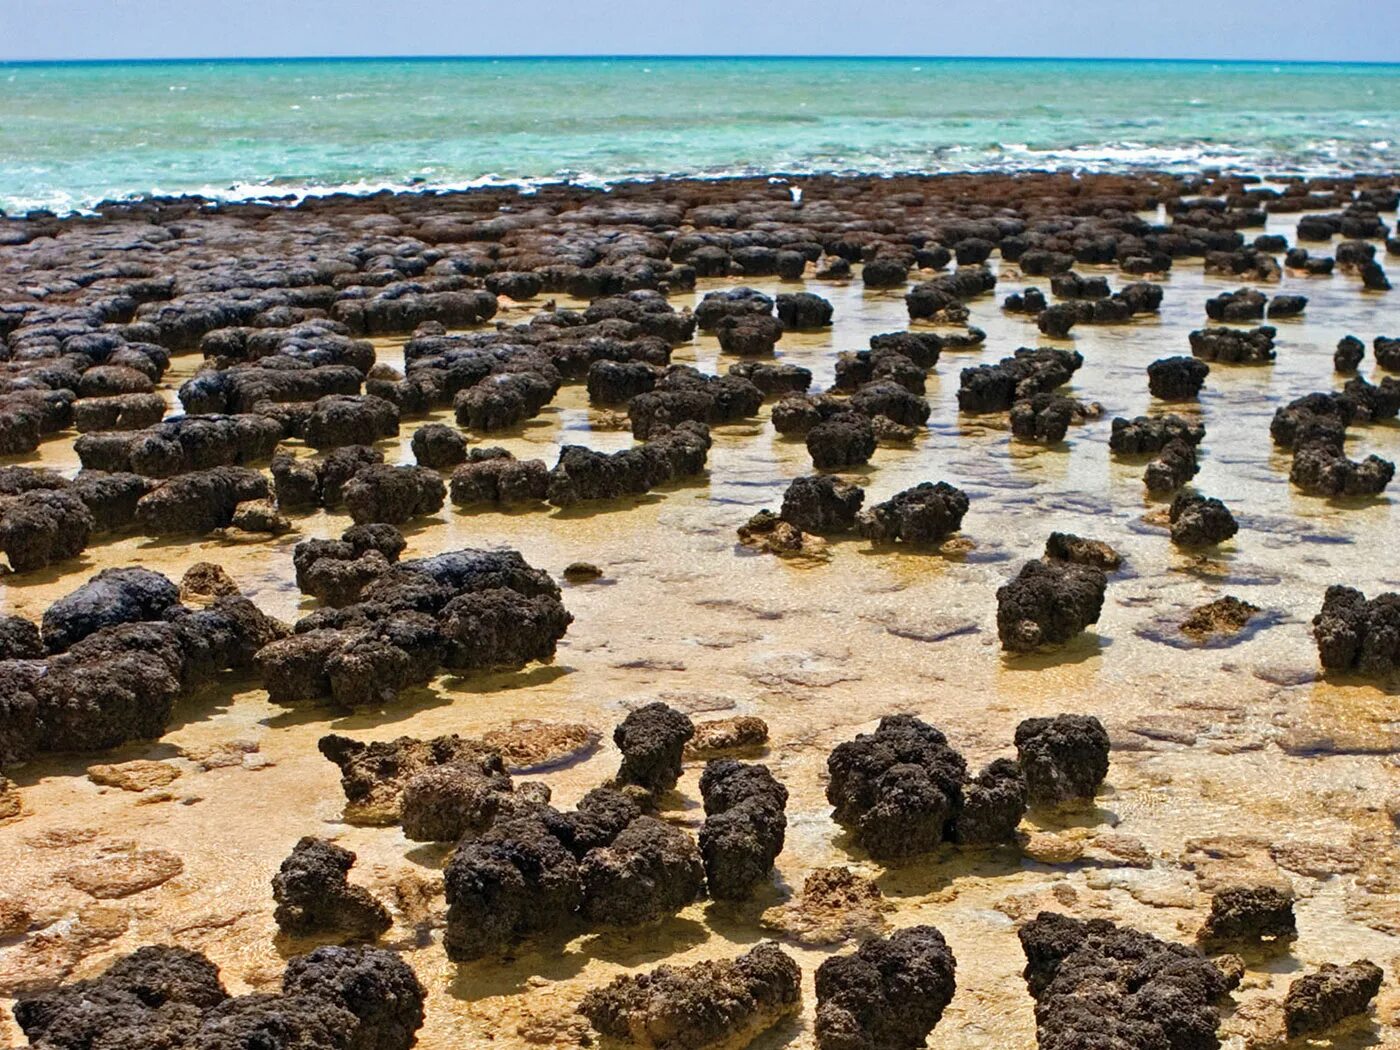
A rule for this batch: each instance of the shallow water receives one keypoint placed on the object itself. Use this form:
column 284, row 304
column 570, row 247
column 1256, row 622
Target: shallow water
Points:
column 1242, row 740
column 78, row 133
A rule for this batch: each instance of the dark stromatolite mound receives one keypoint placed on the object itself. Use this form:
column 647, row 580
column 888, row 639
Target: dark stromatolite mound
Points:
column 1234, row 345
column 341, row 419
column 20, row 639
column 1176, row 378
column 822, row 504
column 895, row 402
column 374, row 775
column 617, row 382
column 393, row 495
column 669, row 454
column 1146, row 435
column 683, row 394
column 164, row 998
column 798, row 310
column 1044, row 417
column 492, row 476
column 1097, row 984
column 883, row 363
column 652, row 740
column 1320, row 469
column 995, row 388
column 376, row 987
column 1249, row 914
column 181, row 444
column 113, row 596
column 446, row 802
column 649, row 871
column 1064, row 759
column 896, row 789
column 337, row 571
column 744, row 826
column 1318, row 1001
column 438, row 446
column 156, row 993
column 993, row 804
column 42, row 526
column 733, row 302
column 1243, row 304
column 773, row 379
column 722, row 1002
column 314, row 895
column 927, row 513
column 888, row 995
column 504, row 399
column 943, row 298
column 514, row 882
column 1048, row 603
column 748, row 334
column 277, row 379
column 844, row 439
column 1354, row 634
column 466, row 611
column 1173, row 467
column 200, row 501
column 1349, row 354
column 306, row 483
column 1200, row 521
column 1065, row 546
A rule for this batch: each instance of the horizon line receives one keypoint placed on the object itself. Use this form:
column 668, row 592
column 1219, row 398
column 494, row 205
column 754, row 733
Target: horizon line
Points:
column 708, row 56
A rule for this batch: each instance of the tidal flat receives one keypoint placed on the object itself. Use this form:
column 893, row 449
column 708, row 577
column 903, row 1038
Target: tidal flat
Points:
column 1234, row 756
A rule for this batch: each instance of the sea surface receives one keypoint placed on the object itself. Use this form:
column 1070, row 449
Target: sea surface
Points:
column 73, row 134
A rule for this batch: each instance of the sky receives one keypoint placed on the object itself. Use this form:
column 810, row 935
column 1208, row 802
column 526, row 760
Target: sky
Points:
column 1278, row 30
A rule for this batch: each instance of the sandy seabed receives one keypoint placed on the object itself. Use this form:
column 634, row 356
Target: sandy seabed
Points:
column 1229, row 760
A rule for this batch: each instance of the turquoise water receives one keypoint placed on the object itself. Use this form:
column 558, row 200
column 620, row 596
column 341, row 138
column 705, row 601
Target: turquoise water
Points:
column 72, row 134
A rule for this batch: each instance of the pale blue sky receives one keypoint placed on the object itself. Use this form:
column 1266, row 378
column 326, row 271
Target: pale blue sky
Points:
column 1356, row 30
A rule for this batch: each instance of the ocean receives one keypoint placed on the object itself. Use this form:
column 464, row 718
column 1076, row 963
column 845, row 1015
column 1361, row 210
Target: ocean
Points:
column 73, row 134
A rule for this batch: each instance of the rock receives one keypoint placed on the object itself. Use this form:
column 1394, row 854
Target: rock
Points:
column 204, row 500
column 799, row 310
column 888, row 995
column 138, row 775
column 1249, row 914
column 260, row 516
column 846, row 439
column 393, row 495
column 1234, row 345
column 1065, row 546
column 992, row 806
column 715, row 1003
column 748, row 334
column 723, row 736
column 925, row 514
column 649, row 871
column 1176, row 378
column 1174, row 466
column 314, row 896
column 897, row 790
column 821, row 504
column 373, row 775
column 1048, row 604
column 1199, row 521
column 582, row 572
column 206, row 580
column 1318, row 1001
column 1150, row 434
column 1227, row 615
column 20, row 639
column 530, row 746
column 1064, row 758
column 1047, row 848
column 123, row 870
column 515, row 881
column 1098, row 984
column 1354, row 634
column 113, row 596
column 744, row 827
column 835, row 905
column 652, row 740
column 438, row 446
column 447, row 802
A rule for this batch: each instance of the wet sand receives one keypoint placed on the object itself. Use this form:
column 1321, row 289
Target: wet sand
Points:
column 1235, row 751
